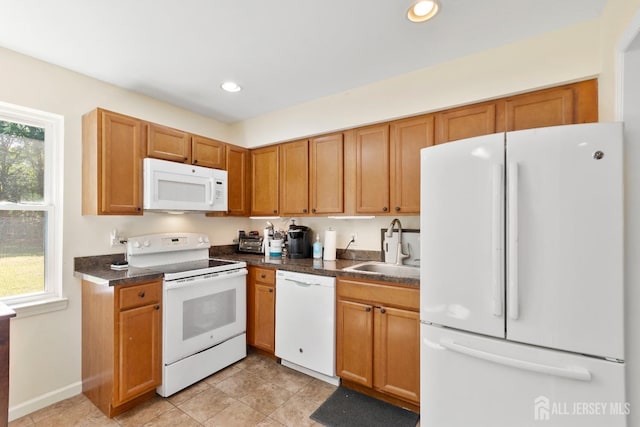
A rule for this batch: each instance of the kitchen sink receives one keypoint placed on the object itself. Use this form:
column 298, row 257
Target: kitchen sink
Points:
column 378, row 267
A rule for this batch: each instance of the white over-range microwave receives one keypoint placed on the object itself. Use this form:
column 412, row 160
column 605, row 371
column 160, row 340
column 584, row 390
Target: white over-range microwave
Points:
column 177, row 187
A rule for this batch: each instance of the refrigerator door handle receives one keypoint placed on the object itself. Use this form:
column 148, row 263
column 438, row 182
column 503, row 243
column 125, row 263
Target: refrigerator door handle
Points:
column 497, row 241
column 573, row 373
column 512, row 272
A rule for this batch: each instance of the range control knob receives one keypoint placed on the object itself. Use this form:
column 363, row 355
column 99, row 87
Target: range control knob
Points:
column 200, row 239
column 147, row 243
column 136, row 244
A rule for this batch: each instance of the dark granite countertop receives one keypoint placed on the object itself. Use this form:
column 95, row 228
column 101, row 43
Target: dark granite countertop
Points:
column 97, row 269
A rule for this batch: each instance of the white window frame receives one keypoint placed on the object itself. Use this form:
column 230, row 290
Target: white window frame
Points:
column 50, row 298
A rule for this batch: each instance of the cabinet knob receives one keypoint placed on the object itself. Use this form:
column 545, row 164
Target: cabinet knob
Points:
column 138, row 209
column 270, row 290
column 186, row 158
column 263, row 276
column 383, row 311
column 304, row 210
column 141, row 294
column 397, row 208
column 195, row 162
column 157, row 307
column 300, row 350
column 385, row 209
column 313, row 210
column 275, row 211
column 368, row 309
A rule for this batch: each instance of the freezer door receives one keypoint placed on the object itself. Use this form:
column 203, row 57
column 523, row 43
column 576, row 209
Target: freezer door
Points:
column 565, row 238
column 462, row 233
column 468, row 380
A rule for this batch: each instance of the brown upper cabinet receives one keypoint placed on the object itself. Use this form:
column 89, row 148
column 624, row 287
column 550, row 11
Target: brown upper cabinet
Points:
column 208, row 152
column 177, row 146
column 465, row 122
column 326, row 174
column 388, row 165
column 408, row 137
column 562, row 105
column 372, row 169
column 237, row 167
column 264, row 181
column 168, row 144
column 294, row 178
column 112, row 152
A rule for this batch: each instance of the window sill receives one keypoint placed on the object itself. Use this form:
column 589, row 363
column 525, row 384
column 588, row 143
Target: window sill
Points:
column 35, row 308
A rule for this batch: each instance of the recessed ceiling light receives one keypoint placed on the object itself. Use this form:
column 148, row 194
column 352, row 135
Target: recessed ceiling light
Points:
column 422, row 10
column 231, row 86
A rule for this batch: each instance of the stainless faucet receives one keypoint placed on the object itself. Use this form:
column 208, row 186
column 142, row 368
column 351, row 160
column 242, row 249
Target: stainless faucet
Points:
column 399, row 254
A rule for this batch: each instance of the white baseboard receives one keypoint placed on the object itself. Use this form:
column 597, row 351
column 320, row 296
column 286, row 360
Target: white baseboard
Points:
column 42, row 401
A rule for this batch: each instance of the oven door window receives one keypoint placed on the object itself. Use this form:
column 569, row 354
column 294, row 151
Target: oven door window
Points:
column 208, row 313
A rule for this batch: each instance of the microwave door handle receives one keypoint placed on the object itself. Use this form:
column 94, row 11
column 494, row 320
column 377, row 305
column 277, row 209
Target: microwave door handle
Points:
column 212, row 184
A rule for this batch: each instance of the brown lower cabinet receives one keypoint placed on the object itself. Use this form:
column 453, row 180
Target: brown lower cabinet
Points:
column 261, row 309
column 378, row 339
column 121, row 344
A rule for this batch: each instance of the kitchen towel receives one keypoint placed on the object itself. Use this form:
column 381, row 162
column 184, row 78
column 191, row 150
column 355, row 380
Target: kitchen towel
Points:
column 330, row 245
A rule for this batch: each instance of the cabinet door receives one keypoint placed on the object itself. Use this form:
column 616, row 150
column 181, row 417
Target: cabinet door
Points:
column 408, row 137
column 238, row 180
column 168, row 144
column 397, row 353
column 207, row 152
column 264, row 181
column 354, row 342
column 326, row 177
column 540, row 109
column 121, row 153
column 466, row 122
column 294, row 178
column 264, row 309
column 139, row 350
column 372, row 169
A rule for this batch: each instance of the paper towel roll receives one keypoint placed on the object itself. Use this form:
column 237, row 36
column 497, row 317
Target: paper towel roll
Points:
column 330, row 245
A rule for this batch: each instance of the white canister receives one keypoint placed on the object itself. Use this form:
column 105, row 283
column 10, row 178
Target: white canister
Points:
column 275, row 247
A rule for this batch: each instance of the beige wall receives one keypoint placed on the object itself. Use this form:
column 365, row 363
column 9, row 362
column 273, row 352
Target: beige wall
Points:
column 45, row 349
column 550, row 59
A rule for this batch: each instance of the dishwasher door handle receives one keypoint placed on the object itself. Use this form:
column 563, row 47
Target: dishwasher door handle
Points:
column 301, row 283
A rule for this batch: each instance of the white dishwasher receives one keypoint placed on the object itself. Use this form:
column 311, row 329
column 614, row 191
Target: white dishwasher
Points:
column 305, row 324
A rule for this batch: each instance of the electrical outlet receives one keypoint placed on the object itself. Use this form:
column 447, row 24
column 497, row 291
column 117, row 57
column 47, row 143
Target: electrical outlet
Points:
column 114, row 238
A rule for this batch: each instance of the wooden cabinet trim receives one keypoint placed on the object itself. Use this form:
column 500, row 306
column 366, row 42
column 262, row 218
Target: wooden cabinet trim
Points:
column 354, row 342
column 138, row 295
column 379, row 292
column 294, row 178
column 208, row 152
column 167, row 143
column 326, row 174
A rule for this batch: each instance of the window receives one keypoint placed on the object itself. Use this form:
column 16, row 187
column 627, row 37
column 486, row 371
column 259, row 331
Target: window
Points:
column 30, row 206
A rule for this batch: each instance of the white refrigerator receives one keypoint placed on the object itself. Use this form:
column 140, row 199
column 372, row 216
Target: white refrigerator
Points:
column 521, row 286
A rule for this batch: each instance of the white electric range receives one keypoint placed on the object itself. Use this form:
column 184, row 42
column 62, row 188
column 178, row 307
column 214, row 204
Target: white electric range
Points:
column 204, row 306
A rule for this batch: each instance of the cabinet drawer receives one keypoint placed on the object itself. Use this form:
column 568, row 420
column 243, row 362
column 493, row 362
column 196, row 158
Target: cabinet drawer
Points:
column 265, row 275
column 384, row 294
column 139, row 295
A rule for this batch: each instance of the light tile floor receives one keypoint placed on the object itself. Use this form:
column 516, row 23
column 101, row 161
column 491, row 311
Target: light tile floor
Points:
column 256, row 391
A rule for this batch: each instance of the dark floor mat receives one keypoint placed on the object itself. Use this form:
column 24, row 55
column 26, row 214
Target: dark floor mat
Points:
column 348, row 408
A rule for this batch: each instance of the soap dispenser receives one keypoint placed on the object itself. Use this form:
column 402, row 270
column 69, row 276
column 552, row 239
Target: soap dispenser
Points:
column 317, row 247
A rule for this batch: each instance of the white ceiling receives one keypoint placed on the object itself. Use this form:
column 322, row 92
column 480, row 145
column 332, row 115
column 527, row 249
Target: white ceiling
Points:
column 282, row 52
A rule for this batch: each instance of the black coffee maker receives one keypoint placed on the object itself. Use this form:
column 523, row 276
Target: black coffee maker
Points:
column 299, row 241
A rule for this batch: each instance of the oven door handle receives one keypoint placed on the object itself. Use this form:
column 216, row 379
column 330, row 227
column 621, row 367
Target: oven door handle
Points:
column 195, row 280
